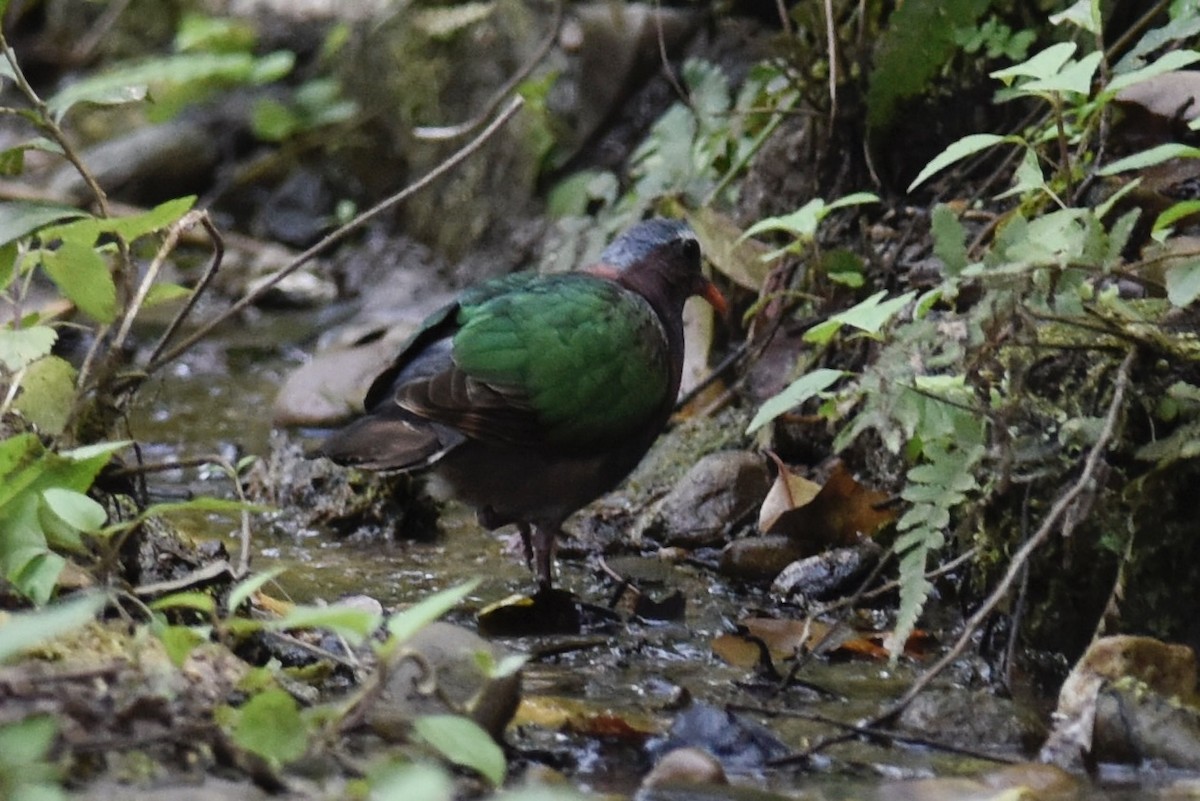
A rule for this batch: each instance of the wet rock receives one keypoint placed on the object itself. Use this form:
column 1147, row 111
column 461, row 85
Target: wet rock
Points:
column 717, row 493
column 829, row 574
column 686, row 765
column 250, row 263
column 297, row 211
column 972, row 716
column 312, row 493
column 395, row 279
column 298, row 290
column 436, row 672
column 329, row 389
column 1127, row 699
column 737, row 742
column 761, row 558
column 1134, row 724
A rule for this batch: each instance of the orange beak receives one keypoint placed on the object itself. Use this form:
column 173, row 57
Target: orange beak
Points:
column 708, row 290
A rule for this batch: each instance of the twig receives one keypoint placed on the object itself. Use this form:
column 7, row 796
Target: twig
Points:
column 448, row 132
column 45, row 120
column 894, row 584
column 831, row 44
column 165, row 249
column 201, row 575
column 1057, row 512
column 662, row 56
column 337, row 236
column 866, row 730
column 218, row 246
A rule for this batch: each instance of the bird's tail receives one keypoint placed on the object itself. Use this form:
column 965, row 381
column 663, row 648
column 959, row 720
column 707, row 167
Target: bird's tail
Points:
column 377, row 442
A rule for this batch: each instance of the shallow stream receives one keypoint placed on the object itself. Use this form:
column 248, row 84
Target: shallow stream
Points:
column 616, row 688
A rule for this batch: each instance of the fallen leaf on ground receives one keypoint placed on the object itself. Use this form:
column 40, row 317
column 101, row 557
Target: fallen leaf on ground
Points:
column 841, row 513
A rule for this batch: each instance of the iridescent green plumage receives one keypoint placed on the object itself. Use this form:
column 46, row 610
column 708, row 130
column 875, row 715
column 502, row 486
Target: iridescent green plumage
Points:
column 532, row 395
column 587, row 358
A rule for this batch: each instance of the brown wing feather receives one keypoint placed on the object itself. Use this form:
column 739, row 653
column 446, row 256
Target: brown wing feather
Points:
column 478, row 409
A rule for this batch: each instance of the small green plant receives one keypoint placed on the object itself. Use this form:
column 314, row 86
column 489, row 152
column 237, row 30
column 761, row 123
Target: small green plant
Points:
column 1046, row 259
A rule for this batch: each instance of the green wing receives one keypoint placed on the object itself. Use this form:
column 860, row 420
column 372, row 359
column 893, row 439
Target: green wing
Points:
column 568, row 360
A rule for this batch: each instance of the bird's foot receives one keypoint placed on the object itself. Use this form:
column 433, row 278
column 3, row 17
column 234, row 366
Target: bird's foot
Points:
column 526, row 543
column 544, row 538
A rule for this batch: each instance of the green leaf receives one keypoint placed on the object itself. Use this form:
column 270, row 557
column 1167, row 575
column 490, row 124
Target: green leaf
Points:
column 917, row 44
column 96, row 450
column 165, row 293
column 870, row 316
column 47, row 393
column 1151, row 157
column 180, row 641
column 27, row 742
column 244, row 589
column 17, row 451
column 83, row 277
column 1084, row 13
column 19, row 218
column 353, row 624
column 156, row 219
column 74, row 508
column 1028, row 176
column 1041, row 66
column 957, row 151
column 270, row 725
column 23, row 346
column 131, row 82
column 189, row 599
column 203, row 33
column 1170, row 62
column 25, row 630
column 410, row 781
column 405, row 624
column 509, row 665
column 36, row 574
column 1183, row 283
column 949, row 239
column 853, row 199
column 1075, row 77
column 463, row 742
column 800, row 390
column 1184, row 208
column 272, row 121
column 801, row 223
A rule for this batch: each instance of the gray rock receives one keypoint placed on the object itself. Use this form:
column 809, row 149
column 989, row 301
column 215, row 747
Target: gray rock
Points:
column 436, row 672
column 717, row 493
column 827, row 574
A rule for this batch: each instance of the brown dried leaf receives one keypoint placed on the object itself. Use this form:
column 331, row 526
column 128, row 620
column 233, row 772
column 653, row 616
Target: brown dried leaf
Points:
column 841, row 514
column 788, row 492
column 783, row 639
column 558, row 712
column 738, row 259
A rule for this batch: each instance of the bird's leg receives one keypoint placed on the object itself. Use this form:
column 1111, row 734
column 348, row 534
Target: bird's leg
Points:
column 526, row 543
column 544, row 538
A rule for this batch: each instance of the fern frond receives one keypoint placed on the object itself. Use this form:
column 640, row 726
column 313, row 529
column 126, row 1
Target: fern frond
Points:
column 934, row 488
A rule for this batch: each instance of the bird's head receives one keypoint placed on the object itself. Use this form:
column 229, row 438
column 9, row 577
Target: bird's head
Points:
column 660, row 259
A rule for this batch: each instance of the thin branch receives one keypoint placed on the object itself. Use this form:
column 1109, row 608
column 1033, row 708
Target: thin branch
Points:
column 143, row 291
column 448, row 132
column 218, row 246
column 869, row 731
column 831, row 44
column 337, row 236
column 45, row 120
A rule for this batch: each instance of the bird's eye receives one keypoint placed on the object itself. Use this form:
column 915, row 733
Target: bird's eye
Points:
column 690, row 249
